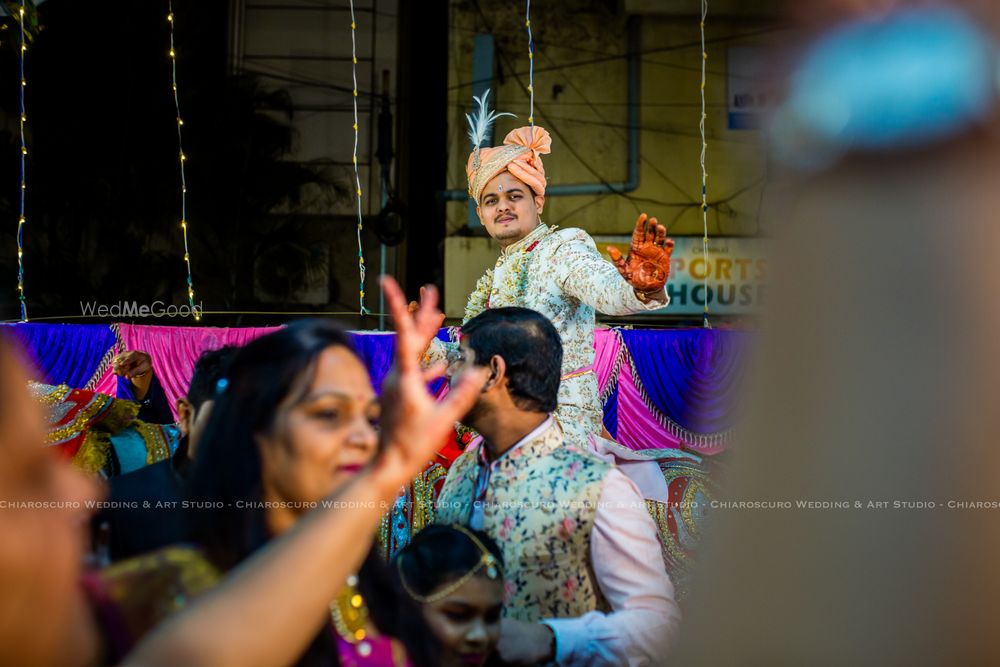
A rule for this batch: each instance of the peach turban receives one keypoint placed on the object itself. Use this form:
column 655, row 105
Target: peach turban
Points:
column 520, row 154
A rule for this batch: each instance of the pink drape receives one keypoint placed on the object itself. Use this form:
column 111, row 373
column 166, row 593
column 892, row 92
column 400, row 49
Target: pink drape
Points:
column 175, row 349
column 607, row 345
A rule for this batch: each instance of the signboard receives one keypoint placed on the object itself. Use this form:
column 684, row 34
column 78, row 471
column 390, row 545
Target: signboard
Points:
column 736, row 269
column 747, row 88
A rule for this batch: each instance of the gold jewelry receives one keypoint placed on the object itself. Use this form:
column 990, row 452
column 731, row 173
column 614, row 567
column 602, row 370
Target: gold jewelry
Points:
column 350, row 617
column 644, row 297
column 487, row 560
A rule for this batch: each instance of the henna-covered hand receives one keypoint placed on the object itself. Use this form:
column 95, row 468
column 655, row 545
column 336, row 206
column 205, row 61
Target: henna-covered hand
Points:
column 647, row 266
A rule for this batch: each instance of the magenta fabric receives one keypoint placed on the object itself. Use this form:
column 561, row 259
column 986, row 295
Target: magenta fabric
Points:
column 607, row 345
column 175, row 349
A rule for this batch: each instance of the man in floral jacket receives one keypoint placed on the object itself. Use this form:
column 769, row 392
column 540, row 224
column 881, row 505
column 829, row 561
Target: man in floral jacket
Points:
column 585, row 583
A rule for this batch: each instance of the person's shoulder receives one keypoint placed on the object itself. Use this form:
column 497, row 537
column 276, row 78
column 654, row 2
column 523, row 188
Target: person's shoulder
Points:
column 156, row 481
column 145, row 590
column 466, row 458
column 583, row 457
column 177, row 569
column 570, row 236
column 176, row 557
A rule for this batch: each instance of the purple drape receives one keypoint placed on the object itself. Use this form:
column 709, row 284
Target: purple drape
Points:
column 377, row 350
column 66, row 353
column 689, row 375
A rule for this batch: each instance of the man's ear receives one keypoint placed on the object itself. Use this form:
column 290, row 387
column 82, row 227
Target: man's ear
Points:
column 539, row 203
column 498, row 371
column 479, row 213
column 185, row 415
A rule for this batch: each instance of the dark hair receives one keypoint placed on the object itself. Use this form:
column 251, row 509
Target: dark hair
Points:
column 440, row 554
column 271, row 371
column 530, row 347
column 208, row 370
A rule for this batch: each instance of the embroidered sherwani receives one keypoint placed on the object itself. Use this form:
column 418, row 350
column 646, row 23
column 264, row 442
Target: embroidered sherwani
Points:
column 560, row 274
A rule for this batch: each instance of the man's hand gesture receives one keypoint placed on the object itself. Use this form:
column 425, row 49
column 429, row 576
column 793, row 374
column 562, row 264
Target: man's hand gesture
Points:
column 647, row 266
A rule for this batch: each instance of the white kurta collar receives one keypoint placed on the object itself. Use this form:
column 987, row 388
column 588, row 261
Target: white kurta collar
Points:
column 537, row 233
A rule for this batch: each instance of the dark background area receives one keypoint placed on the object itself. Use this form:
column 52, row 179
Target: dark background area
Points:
column 103, row 205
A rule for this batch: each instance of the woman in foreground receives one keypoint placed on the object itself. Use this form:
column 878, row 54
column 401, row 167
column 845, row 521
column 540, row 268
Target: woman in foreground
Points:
column 295, row 421
column 272, row 605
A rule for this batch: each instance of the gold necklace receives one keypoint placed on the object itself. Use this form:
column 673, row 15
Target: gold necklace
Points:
column 350, row 617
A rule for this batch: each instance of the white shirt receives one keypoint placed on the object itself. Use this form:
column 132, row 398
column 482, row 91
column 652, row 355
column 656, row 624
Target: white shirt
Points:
column 628, row 565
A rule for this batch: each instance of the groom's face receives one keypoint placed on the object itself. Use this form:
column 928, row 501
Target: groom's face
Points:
column 509, row 209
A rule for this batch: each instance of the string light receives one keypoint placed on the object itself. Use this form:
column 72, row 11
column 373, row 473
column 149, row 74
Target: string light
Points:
column 357, row 177
column 21, row 219
column 531, row 64
column 704, row 150
column 183, row 158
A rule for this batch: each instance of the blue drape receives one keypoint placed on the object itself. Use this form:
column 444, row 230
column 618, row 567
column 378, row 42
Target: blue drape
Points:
column 65, row 353
column 377, row 351
column 611, row 413
column 690, row 375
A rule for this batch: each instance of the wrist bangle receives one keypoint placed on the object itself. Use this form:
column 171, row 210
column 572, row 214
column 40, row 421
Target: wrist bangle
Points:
column 553, row 648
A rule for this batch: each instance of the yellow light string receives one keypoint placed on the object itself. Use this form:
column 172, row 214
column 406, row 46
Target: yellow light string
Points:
column 357, row 177
column 531, row 64
column 24, row 156
column 183, row 159
column 704, row 150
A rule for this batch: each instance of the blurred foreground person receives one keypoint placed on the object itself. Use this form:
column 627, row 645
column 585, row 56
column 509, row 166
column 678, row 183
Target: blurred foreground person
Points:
column 456, row 574
column 272, row 605
column 859, row 526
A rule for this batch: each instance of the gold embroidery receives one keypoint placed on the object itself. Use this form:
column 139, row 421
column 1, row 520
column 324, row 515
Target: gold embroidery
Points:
column 497, row 162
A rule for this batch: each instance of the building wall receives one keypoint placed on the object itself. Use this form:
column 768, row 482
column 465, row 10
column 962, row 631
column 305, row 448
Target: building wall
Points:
column 580, row 97
column 304, row 48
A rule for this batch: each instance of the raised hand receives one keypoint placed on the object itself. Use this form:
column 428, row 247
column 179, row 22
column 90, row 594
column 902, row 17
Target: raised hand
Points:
column 137, row 367
column 647, row 266
column 413, row 307
column 413, row 424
